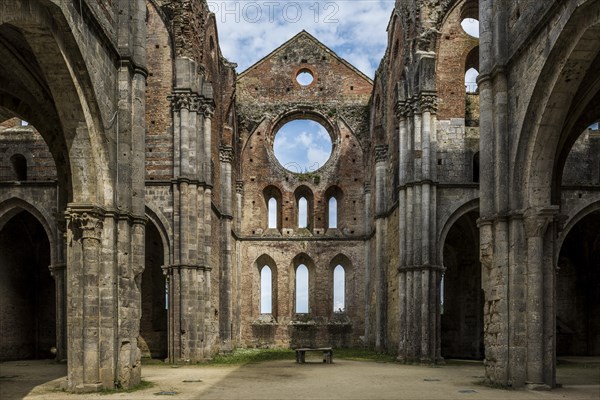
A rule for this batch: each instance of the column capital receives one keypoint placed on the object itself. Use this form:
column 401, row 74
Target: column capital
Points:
column 403, row 109
column 208, row 110
column 239, row 187
column 367, row 188
column 86, row 224
column 381, row 153
column 226, row 154
column 184, row 100
column 427, row 102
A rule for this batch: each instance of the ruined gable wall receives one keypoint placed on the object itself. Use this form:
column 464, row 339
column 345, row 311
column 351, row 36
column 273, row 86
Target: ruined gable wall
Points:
column 268, row 96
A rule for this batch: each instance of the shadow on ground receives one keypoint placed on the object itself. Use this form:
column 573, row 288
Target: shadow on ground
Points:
column 19, row 378
column 277, row 379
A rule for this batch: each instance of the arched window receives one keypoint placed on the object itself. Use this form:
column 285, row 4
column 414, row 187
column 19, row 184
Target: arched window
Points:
column 19, row 167
column 476, row 167
column 335, row 198
column 302, row 213
column 339, row 289
column 301, row 289
column 471, row 80
column 333, row 210
column 273, row 202
column 272, row 213
column 304, row 207
column 266, row 290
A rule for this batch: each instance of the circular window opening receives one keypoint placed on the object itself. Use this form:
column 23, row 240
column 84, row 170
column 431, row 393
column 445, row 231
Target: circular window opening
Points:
column 302, row 145
column 471, row 27
column 304, row 77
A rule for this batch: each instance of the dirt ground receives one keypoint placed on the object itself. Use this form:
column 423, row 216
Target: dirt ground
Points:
column 287, row 380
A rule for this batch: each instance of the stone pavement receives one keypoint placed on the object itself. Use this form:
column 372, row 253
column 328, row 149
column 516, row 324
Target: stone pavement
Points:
column 314, row 380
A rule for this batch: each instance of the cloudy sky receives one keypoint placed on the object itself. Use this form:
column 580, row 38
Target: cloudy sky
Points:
column 302, row 145
column 354, row 29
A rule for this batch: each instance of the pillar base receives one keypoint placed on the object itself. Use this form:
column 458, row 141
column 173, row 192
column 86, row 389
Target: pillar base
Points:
column 537, row 386
column 84, row 388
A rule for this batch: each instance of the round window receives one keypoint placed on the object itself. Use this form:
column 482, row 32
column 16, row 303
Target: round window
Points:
column 304, row 77
column 471, row 27
column 302, row 145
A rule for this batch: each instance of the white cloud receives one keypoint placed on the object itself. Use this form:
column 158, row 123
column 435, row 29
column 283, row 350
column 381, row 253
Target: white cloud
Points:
column 355, row 30
column 302, row 145
column 317, row 157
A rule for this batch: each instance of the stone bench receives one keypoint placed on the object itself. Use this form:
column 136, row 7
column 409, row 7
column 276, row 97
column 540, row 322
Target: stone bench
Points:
column 327, row 354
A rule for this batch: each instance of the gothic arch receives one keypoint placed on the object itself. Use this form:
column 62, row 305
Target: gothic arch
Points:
column 350, row 283
column 164, row 229
column 261, row 261
column 11, row 207
column 574, row 219
column 305, row 259
column 461, row 294
column 49, row 88
column 31, row 299
column 459, row 212
column 566, row 98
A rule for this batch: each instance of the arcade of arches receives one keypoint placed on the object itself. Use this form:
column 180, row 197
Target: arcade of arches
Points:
column 144, row 212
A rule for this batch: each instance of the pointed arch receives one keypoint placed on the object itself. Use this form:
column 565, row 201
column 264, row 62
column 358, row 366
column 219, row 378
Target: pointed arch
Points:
column 344, row 288
column 259, row 286
column 334, row 216
column 304, row 211
column 11, row 207
column 164, row 229
column 49, row 88
column 304, row 283
column 273, row 200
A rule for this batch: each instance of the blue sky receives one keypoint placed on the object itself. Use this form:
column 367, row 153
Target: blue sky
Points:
column 302, row 145
column 354, row 29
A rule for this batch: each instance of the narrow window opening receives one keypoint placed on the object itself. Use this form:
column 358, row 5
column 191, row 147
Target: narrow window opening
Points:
column 266, row 290
column 339, row 289
column 272, row 213
column 476, row 167
column 471, row 80
column 442, row 296
column 19, row 167
column 333, row 212
column 302, row 213
column 302, row 289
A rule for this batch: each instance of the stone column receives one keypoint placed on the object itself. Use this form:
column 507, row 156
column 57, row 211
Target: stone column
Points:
column 536, row 226
column 58, row 272
column 225, row 290
column 208, row 112
column 188, row 296
column 402, row 113
column 368, row 279
column 418, row 274
column 85, row 359
column 239, row 195
column 380, row 246
column 189, row 275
